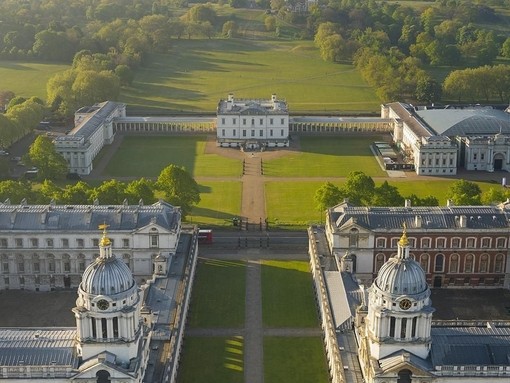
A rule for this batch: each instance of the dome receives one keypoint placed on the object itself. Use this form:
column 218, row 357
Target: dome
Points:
column 107, row 276
column 401, row 276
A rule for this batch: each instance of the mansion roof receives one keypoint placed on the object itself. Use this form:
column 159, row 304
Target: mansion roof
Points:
column 422, row 217
column 87, row 217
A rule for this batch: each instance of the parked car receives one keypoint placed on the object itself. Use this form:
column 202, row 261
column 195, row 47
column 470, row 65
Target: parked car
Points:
column 3, row 152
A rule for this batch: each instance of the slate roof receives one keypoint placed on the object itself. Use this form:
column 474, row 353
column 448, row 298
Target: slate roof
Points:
column 38, row 347
column 253, row 107
column 432, row 217
column 466, row 122
column 87, row 217
column 481, row 346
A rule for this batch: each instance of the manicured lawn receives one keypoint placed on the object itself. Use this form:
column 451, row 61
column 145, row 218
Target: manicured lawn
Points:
column 294, row 360
column 199, row 72
column 299, row 207
column 27, row 79
column 218, row 294
column 147, row 156
column 287, row 295
column 327, row 157
column 220, row 202
column 212, row 360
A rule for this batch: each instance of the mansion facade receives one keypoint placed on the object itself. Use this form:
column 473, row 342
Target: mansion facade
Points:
column 252, row 123
column 47, row 247
column 456, row 246
column 440, row 140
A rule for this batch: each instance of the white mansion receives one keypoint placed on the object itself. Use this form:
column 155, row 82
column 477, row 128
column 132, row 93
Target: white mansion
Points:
column 45, row 247
column 252, row 123
column 439, row 140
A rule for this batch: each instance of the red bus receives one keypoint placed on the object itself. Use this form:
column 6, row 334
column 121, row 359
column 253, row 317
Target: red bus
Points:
column 205, row 236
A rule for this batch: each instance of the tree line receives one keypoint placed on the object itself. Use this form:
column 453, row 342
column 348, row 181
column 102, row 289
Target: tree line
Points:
column 360, row 190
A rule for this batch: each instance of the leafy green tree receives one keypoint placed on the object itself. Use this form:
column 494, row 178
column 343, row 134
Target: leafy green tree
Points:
column 5, row 97
column 328, row 195
column 230, row 29
column 505, row 48
column 359, row 188
column 77, row 194
column 15, row 191
column 90, row 86
column 494, row 196
column 110, row 192
column 141, row 189
column 464, row 193
column 179, row 187
column 18, row 100
column 49, row 191
column 270, row 23
column 387, row 195
column 53, row 46
column 43, row 155
column 201, row 13
column 428, row 89
column 125, row 74
column 425, row 201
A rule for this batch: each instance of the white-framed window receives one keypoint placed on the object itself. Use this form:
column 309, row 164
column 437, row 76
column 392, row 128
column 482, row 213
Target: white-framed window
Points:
column 282, row 133
column 244, row 132
column 439, row 263
column 440, row 243
column 454, row 263
column 80, row 243
column 261, row 133
column 498, row 264
column 456, row 243
column 261, row 121
column 501, row 243
column 270, row 132
column 154, row 240
column 19, row 242
column 425, row 243
column 253, row 132
column 244, row 121
column 65, row 242
column 34, row 242
column 49, row 242
column 484, row 263
column 412, row 243
column 394, row 242
column 470, row 243
column 353, row 237
column 468, row 263
column 486, row 242
column 380, row 243
column 424, row 262
column 95, row 242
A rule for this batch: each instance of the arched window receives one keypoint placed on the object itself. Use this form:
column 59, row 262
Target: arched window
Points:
column 454, row 263
column 379, row 261
column 353, row 237
column 51, row 263
column 439, row 263
column 424, row 262
column 484, row 263
column 404, row 376
column 66, row 262
column 36, row 265
column 468, row 263
column 103, row 376
column 81, row 262
column 498, row 265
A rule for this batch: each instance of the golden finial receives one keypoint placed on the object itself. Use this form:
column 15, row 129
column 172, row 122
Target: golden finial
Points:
column 403, row 240
column 105, row 241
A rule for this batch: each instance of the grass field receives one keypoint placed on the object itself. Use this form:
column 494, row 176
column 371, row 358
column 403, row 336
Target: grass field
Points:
column 197, row 73
column 327, row 157
column 212, row 360
column 220, row 202
column 147, row 156
column 296, row 360
column 218, row 294
column 27, row 79
column 287, row 295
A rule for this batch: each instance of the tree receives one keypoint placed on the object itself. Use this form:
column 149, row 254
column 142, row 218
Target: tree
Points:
column 201, row 13
column 425, row 201
column 110, row 192
column 90, row 86
column 428, row 89
column 179, row 187
column 270, row 23
column 359, row 188
column 125, row 74
column 505, row 49
column 77, row 194
column 387, row 195
column 230, row 29
column 15, row 191
column 43, row 155
column 328, row 195
column 494, row 196
column 464, row 193
column 5, row 97
column 142, row 189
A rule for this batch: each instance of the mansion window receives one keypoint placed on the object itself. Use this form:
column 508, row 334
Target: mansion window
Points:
column 5, row 267
column 234, row 121
column 95, row 242
column 244, row 132
column 65, row 242
column 470, row 243
column 271, row 121
column 81, row 262
column 484, row 263
column 34, row 242
column 261, row 121
column 486, row 242
column 482, row 156
column 253, row 121
column 234, row 133
column 282, row 133
column 125, row 242
column 19, row 242
column 500, row 243
column 425, row 243
column 498, row 265
column 456, row 243
column 380, row 243
column 438, row 265
column 424, row 262
column 271, row 132
column 3, row 242
column 49, row 242
column 21, row 266
column 80, row 243
column 412, row 243
column 261, row 133
column 475, row 156
column 454, row 263
column 37, row 267
column 154, row 240
column 253, row 132
column 441, row 243
column 468, row 263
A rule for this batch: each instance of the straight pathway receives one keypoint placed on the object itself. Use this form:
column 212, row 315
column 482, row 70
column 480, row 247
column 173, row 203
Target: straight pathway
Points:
column 253, row 203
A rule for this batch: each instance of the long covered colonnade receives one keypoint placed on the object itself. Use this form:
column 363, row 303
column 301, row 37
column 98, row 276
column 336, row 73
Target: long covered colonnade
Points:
column 318, row 124
column 183, row 124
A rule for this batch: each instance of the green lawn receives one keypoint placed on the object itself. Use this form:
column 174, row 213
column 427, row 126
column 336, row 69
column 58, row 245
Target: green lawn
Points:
column 218, row 294
column 327, row 157
column 148, row 155
column 212, row 360
column 220, row 202
column 199, row 72
column 294, row 360
column 27, row 79
column 287, row 295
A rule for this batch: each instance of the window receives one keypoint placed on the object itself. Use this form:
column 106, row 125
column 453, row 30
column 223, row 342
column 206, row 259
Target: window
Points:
column 261, row 133
column 234, row 132
column 394, row 242
column 21, row 266
column 234, row 120
column 80, row 243
column 438, row 265
column 223, row 132
column 125, row 242
column 441, row 243
column 253, row 132
column 353, row 238
column 49, row 242
column 244, row 121
column 253, row 121
column 456, row 243
column 482, row 156
column 486, row 242
column 3, row 242
column 126, row 259
column 223, row 121
column 468, row 263
column 65, row 242
column 392, row 327
column 261, row 121
column 34, row 242
column 424, row 262
column 403, row 328
column 484, row 263
column 498, row 265
column 454, row 263
column 380, row 242
column 37, row 267
column 412, row 243
column 19, row 242
column 95, row 242
column 244, row 132
column 379, row 261
column 470, row 243
column 51, row 264
column 425, row 243
column 282, row 121
column 451, row 161
column 271, row 132
column 81, row 262
column 281, row 133
column 5, row 267
column 154, row 240
column 474, row 156
column 271, row 121
column 500, row 243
